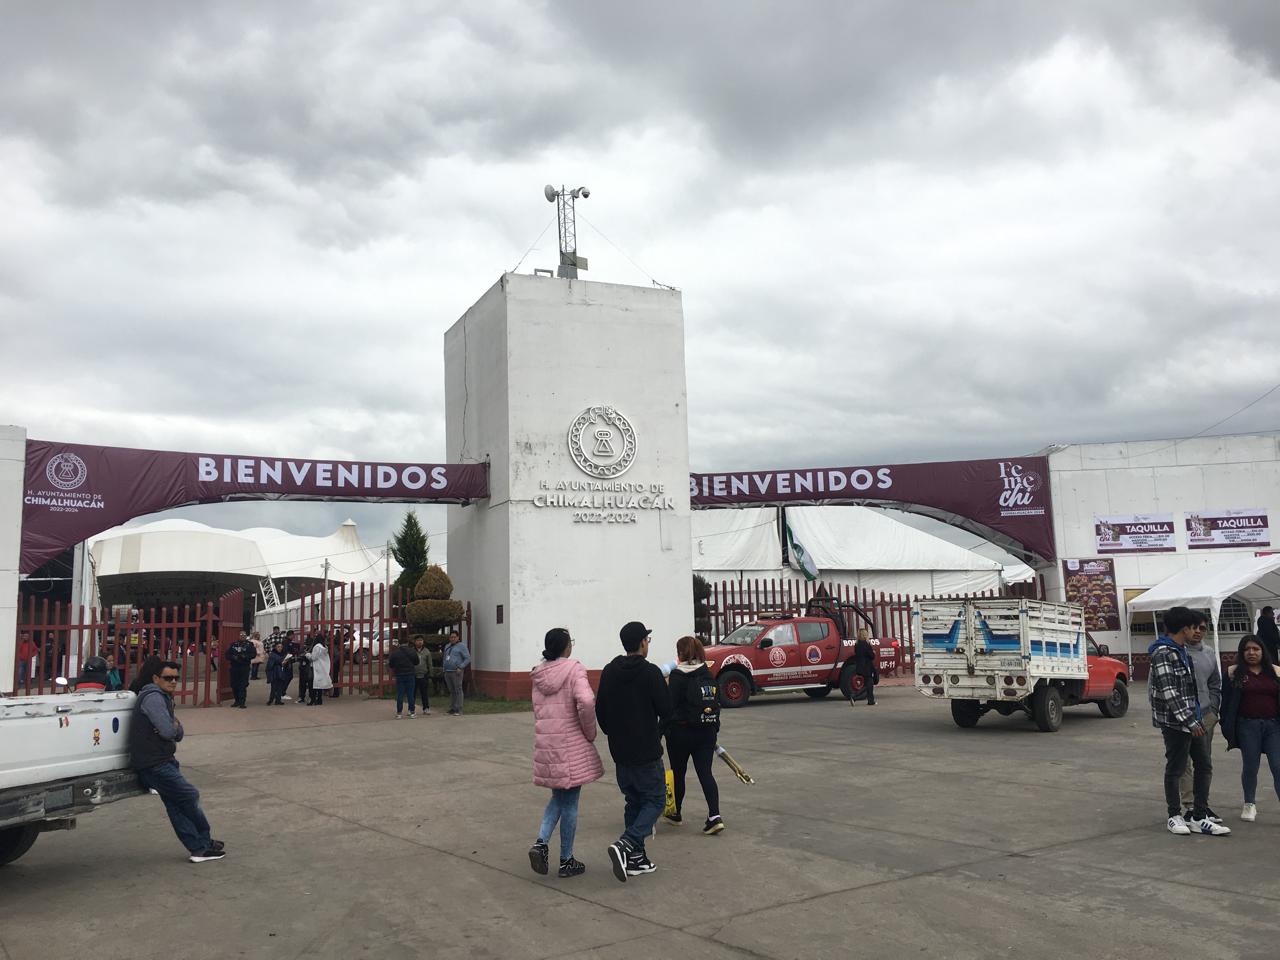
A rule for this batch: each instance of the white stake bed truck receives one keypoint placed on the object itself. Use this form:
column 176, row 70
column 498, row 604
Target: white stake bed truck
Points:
column 61, row 756
column 1010, row 656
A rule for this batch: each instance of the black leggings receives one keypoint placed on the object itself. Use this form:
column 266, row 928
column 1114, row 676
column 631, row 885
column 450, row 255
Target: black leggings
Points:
column 683, row 743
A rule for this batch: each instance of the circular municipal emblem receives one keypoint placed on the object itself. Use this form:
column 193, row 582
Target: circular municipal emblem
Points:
column 66, row 471
column 602, row 442
column 813, row 654
column 777, row 656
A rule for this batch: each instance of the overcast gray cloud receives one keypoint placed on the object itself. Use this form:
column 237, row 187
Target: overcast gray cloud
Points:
column 904, row 231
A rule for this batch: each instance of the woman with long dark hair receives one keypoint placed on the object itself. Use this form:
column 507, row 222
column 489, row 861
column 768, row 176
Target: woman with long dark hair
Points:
column 146, row 673
column 564, row 757
column 695, row 724
column 1251, row 717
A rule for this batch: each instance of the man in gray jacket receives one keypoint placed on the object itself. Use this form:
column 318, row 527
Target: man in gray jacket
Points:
column 456, row 659
column 153, row 745
column 1204, row 662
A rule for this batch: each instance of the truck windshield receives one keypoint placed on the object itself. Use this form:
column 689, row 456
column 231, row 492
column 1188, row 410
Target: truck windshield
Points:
column 744, row 636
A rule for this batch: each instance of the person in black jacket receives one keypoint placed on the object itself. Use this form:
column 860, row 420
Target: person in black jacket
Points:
column 239, row 658
column 695, row 720
column 403, row 663
column 1269, row 633
column 632, row 707
column 864, row 665
column 279, row 673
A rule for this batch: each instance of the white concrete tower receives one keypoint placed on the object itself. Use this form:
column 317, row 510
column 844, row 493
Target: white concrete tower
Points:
column 575, row 393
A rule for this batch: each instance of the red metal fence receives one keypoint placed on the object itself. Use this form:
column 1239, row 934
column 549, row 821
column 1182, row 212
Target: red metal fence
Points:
column 360, row 623
column 55, row 639
column 735, row 602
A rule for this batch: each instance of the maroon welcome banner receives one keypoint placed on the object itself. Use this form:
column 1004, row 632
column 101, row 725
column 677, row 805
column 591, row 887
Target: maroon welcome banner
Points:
column 73, row 491
column 1007, row 498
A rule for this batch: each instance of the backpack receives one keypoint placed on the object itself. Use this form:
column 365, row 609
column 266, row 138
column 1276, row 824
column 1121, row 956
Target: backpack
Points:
column 702, row 698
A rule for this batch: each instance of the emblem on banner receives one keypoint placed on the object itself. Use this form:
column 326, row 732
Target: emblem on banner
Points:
column 602, row 442
column 66, row 471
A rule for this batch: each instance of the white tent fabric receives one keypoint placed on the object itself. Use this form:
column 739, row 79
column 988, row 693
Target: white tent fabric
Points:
column 1255, row 580
column 860, row 546
column 167, row 546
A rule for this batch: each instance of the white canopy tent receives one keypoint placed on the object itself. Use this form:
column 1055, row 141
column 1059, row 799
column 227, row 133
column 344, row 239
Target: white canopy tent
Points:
column 861, row 546
column 1255, row 580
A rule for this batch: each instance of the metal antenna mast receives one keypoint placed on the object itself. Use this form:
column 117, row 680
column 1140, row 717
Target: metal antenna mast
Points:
column 564, row 199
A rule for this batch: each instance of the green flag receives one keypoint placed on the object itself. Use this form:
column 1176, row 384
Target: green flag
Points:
column 800, row 558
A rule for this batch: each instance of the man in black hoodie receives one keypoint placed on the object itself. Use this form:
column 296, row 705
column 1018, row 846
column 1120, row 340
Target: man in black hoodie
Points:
column 632, row 707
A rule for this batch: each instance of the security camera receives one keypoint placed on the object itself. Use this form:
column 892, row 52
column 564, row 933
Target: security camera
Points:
column 550, row 193
column 582, row 192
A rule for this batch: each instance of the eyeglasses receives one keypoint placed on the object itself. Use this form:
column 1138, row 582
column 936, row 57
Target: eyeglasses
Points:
column 167, row 676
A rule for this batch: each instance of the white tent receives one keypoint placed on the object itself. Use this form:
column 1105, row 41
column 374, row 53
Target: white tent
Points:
column 1255, row 580
column 860, row 546
column 167, row 546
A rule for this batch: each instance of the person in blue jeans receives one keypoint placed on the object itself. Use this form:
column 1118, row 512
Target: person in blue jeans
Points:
column 404, row 664
column 1251, row 718
column 632, row 708
column 154, row 735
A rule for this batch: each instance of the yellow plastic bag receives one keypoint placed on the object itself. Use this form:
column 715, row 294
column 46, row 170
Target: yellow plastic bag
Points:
column 670, row 809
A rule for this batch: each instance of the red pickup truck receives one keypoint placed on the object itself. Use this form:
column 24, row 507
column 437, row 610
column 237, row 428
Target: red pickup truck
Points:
column 780, row 652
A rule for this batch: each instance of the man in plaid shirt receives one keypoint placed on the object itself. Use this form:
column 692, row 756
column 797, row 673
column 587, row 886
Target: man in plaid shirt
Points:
column 1175, row 710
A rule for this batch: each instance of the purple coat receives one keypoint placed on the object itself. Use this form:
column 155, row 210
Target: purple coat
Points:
column 564, row 726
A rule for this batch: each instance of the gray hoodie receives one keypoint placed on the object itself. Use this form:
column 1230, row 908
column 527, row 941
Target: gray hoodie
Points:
column 1208, row 676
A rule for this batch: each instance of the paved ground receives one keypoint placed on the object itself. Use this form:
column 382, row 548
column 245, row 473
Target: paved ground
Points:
column 884, row 832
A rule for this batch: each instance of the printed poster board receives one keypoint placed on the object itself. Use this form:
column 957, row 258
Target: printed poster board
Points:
column 1135, row 533
column 1092, row 584
column 1211, row 529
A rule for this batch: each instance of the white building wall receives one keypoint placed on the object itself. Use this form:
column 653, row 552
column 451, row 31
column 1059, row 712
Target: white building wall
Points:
column 13, row 460
column 1157, row 476
column 523, row 363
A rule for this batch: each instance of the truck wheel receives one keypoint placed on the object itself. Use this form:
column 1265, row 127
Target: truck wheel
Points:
column 1046, row 708
column 817, row 693
column 852, row 685
column 1116, row 705
column 966, row 713
column 15, row 841
column 362, row 656
column 735, row 688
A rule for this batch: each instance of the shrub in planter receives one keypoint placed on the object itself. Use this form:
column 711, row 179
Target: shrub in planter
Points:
column 431, row 610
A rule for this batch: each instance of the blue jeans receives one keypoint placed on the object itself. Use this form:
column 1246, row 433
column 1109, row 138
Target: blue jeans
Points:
column 1256, row 738
column 644, row 785
column 404, row 692
column 182, row 801
column 562, row 807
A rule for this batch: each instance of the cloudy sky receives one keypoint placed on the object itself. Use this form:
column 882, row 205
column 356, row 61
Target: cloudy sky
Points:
column 903, row 231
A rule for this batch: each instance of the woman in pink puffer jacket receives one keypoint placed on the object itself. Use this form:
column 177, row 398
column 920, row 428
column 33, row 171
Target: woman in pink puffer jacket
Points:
column 564, row 726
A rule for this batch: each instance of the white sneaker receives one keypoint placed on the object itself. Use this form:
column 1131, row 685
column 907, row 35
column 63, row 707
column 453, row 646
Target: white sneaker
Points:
column 1179, row 826
column 1208, row 827
column 1249, row 812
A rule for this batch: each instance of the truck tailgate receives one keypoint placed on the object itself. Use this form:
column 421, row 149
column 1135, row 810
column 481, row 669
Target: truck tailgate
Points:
column 63, row 736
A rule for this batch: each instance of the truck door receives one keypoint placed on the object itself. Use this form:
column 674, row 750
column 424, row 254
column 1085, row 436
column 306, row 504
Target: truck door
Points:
column 777, row 656
column 819, row 648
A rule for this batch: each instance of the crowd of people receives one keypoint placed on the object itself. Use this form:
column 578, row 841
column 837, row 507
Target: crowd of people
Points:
column 636, row 707
column 1190, row 698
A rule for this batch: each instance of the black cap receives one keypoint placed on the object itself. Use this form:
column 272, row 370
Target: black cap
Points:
column 632, row 635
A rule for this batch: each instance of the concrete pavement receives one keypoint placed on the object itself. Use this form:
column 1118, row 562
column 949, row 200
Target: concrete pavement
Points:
column 880, row 831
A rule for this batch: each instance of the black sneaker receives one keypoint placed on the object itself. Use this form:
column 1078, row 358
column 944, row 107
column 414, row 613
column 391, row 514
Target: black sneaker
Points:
column 619, row 852
column 217, row 845
column 538, row 858
column 572, row 868
column 639, row 863
column 213, row 853
column 713, row 826
column 673, row 818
